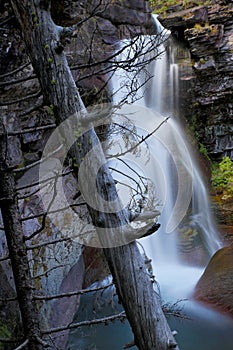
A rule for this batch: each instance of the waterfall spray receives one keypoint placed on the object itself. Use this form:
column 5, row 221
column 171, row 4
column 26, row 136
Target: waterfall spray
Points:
column 174, row 157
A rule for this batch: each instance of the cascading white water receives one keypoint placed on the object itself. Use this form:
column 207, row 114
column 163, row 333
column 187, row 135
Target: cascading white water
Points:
column 200, row 217
column 173, row 153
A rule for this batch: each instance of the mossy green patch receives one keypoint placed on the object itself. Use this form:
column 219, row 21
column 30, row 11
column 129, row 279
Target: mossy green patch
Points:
column 222, row 177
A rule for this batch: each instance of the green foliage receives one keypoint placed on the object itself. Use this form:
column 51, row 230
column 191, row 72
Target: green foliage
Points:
column 203, row 151
column 222, row 177
column 51, row 109
column 202, row 60
column 4, row 332
column 21, row 165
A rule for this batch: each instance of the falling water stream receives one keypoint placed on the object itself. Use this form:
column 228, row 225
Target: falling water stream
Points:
column 187, row 238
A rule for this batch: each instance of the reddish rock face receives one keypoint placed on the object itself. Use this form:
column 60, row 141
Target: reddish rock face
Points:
column 216, row 284
column 96, row 267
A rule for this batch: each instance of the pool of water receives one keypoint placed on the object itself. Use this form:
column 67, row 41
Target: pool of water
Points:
column 202, row 329
column 112, row 336
column 205, row 330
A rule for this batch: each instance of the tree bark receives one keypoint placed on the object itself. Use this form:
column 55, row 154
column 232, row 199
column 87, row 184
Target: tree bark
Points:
column 17, row 248
column 43, row 40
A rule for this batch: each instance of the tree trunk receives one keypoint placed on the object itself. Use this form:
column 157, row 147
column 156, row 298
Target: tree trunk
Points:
column 142, row 305
column 43, row 40
column 17, row 248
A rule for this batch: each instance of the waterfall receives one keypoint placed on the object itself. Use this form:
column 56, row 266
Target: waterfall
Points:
column 174, row 158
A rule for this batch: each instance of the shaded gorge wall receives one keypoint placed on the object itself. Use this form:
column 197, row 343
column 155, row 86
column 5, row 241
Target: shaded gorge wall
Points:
column 208, row 33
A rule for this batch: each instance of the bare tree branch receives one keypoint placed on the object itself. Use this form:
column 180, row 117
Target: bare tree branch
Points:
column 17, row 69
column 129, row 345
column 52, row 212
column 38, row 104
column 46, row 272
column 9, row 340
column 6, row 257
column 105, row 320
column 72, row 31
column 22, row 345
column 30, row 130
column 70, row 294
column 27, row 195
column 29, row 96
column 45, row 215
column 17, row 81
column 143, row 139
column 20, row 188
column 29, row 166
column 6, row 300
column 45, row 244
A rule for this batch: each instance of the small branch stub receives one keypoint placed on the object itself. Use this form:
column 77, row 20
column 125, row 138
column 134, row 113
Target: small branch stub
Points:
column 171, row 344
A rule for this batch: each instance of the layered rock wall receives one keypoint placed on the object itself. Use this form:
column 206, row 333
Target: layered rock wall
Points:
column 208, row 32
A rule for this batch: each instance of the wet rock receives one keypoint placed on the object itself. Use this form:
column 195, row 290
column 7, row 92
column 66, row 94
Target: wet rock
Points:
column 219, row 138
column 208, row 65
column 96, row 267
column 215, row 286
column 108, row 31
column 226, row 232
column 206, row 40
column 64, row 309
column 117, row 14
column 223, row 209
column 208, row 32
column 185, row 18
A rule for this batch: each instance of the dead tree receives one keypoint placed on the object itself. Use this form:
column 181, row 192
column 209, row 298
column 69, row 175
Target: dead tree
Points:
column 43, row 40
column 17, row 248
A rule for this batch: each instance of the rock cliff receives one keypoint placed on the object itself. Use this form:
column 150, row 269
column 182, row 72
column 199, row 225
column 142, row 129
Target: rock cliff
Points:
column 208, row 33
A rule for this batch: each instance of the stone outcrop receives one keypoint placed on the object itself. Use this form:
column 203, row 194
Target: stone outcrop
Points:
column 178, row 19
column 208, row 32
column 215, row 287
column 133, row 14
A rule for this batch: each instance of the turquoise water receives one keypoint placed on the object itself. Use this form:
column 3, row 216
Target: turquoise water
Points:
column 204, row 330
column 102, row 337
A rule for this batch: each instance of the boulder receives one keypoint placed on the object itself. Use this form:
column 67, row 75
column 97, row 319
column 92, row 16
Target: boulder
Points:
column 215, row 286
